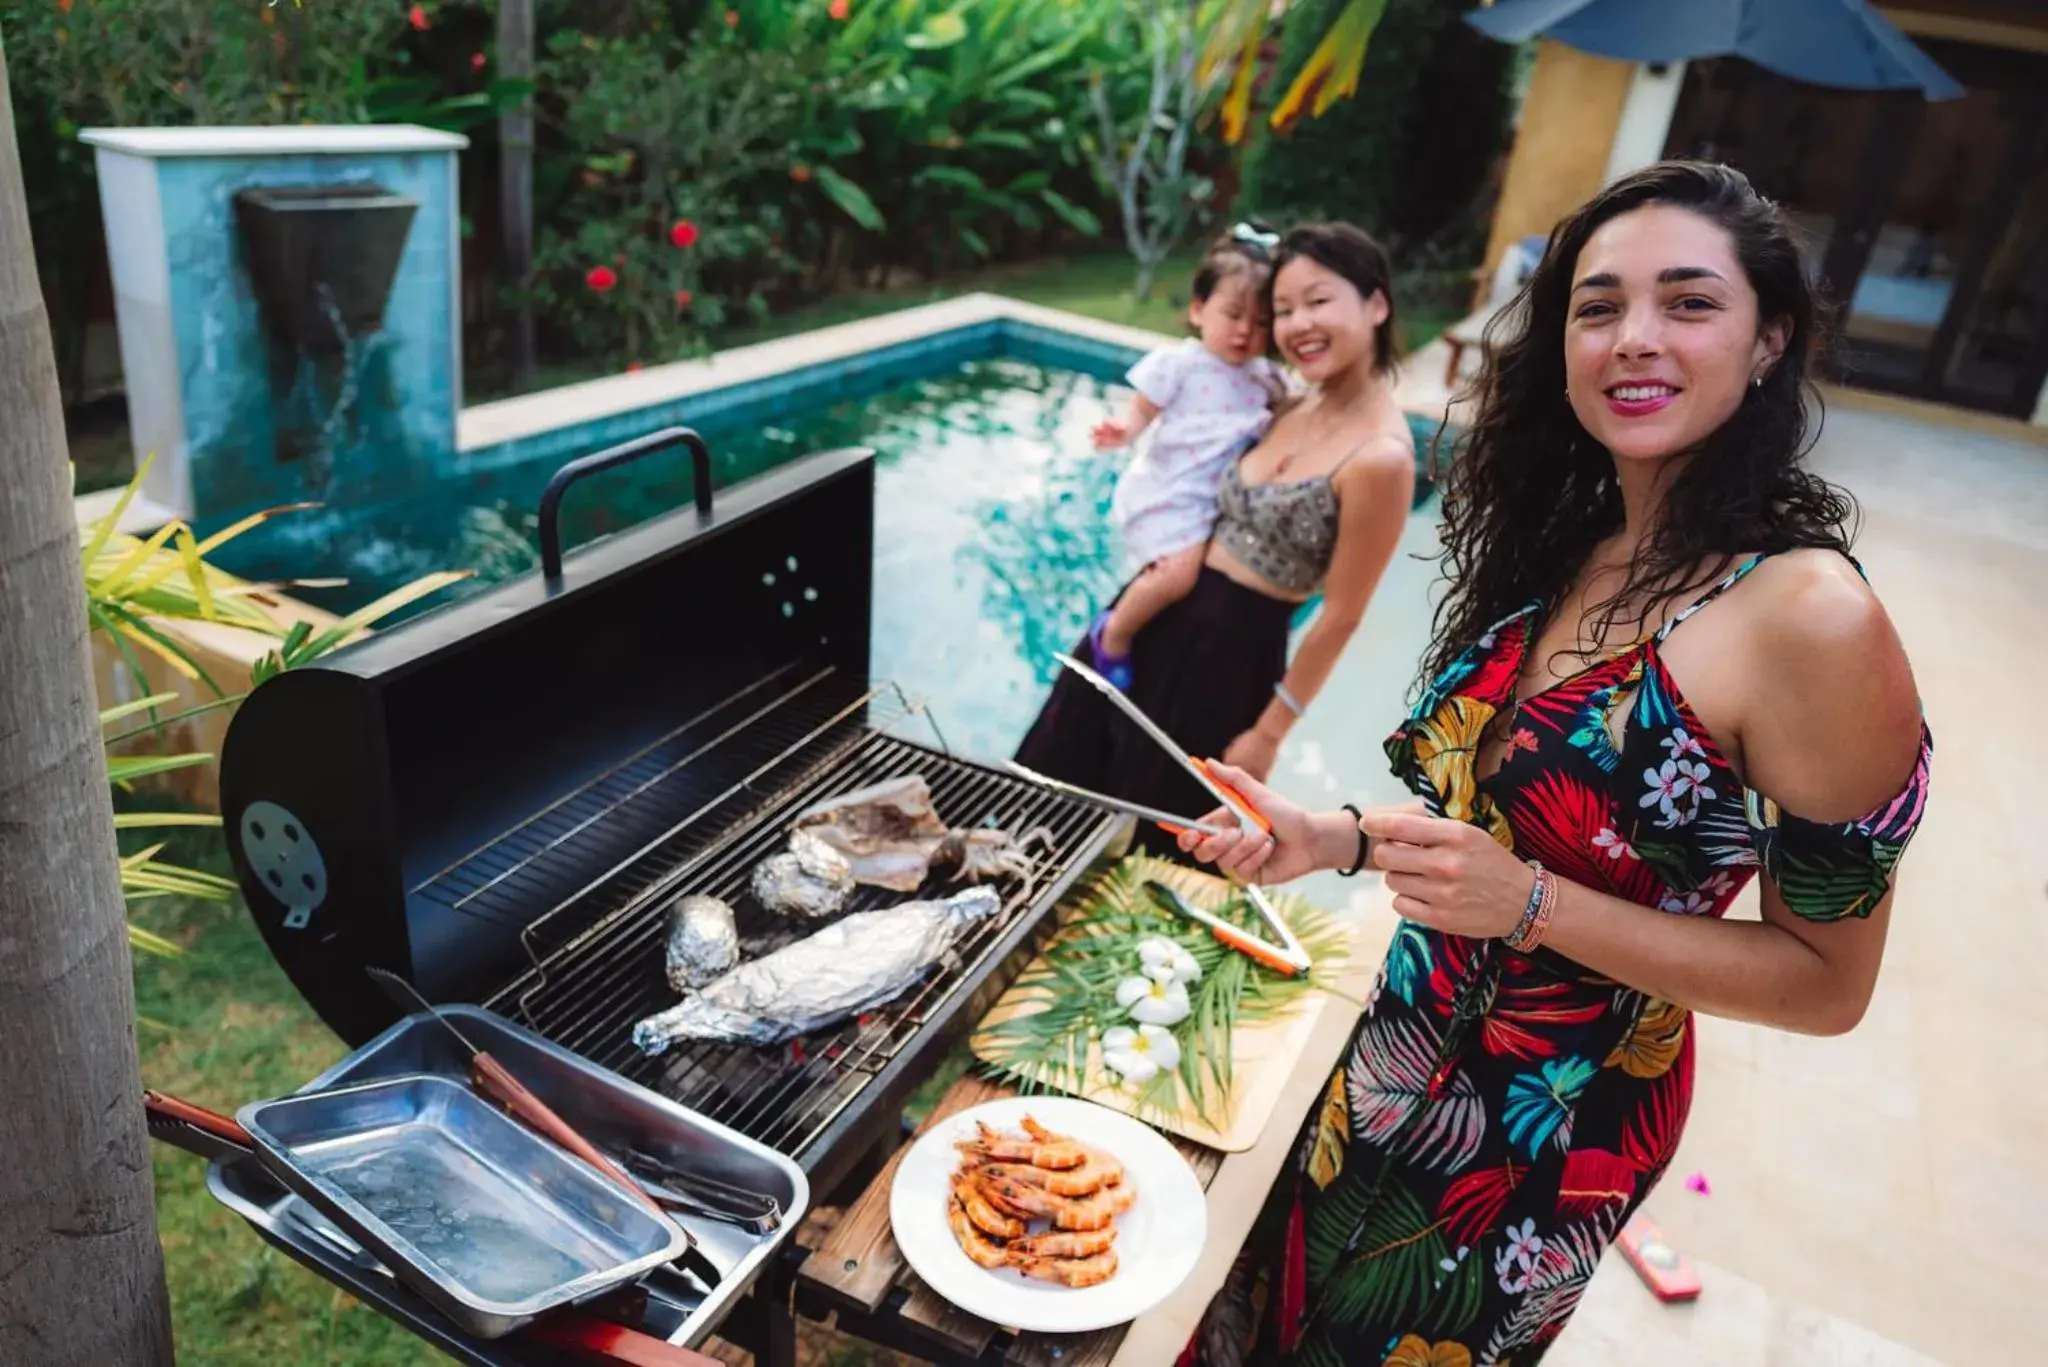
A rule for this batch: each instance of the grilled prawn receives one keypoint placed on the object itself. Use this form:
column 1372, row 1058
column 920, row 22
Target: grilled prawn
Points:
column 1085, row 1180
column 1063, row 1244
column 986, row 1217
column 1065, row 1212
column 1056, row 1153
column 983, row 1250
column 1070, row 1271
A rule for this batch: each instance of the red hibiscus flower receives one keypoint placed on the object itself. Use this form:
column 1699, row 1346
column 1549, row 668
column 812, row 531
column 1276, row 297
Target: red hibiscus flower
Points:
column 732, row 18
column 476, row 61
column 800, row 173
column 683, row 298
column 684, row 234
column 601, row 278
column 839, row 9
column 417, row 17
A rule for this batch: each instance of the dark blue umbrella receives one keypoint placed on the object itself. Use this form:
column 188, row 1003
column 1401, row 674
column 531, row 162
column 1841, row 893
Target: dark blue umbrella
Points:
column 1826, row 42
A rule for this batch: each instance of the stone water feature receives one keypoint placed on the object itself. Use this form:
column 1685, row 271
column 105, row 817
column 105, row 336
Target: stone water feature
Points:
column 288, row 301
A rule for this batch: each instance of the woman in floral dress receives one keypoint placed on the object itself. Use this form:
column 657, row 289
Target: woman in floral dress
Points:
column 1656, row 673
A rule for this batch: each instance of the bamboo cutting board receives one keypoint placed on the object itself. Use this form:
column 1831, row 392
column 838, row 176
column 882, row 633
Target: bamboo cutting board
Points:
column 1263, row 1052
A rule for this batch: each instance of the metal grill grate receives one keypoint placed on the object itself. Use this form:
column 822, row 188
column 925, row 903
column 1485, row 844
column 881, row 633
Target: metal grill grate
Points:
column 588, row 995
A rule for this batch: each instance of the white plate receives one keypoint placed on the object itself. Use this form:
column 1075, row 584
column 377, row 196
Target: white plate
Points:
column 1158, row 1239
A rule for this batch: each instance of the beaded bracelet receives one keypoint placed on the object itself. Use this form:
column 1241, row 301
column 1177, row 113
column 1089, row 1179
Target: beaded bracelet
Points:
column 1529, row 931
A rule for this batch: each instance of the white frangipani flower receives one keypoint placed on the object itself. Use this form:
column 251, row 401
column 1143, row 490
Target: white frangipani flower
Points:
column 1167, row 961
column 1153, row 1001
column 1139, row 1055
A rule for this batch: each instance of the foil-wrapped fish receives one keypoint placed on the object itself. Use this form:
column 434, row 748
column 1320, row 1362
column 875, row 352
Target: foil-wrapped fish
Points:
column 810, row 879
column 888, row 832
column 703, row 942
column 849, row 967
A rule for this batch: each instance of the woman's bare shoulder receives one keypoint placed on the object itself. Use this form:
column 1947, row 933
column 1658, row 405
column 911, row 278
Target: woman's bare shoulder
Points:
column 1835, row 722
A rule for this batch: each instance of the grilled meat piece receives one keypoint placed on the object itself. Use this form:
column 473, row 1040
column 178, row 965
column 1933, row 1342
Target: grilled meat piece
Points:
column 887, row 833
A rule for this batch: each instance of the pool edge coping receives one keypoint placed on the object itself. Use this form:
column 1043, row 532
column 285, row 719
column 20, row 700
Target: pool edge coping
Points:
column 503, row 421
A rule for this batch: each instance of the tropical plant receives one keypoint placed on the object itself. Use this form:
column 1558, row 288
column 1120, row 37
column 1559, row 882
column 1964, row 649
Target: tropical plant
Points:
column 1237, row 36
column 133, row 586
column 1408, row 155
column 966, row 124
column 153, row 63
column 700, row 163
column 675, row 217
column 1145, row 120
column 1069, row 994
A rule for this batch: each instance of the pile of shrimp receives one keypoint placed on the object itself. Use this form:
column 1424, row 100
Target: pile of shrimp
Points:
column 1039, row 1202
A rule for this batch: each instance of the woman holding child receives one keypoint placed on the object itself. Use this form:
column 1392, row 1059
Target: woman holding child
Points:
column 1235, row 539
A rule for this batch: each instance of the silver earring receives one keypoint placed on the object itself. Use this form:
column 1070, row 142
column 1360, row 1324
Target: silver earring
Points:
column 1756, row 382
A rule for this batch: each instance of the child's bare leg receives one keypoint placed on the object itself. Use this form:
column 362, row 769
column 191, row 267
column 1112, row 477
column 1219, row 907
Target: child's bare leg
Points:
column 1158, row 587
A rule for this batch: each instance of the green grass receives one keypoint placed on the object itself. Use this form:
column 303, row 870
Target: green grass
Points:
column 224, row 1027
column 1097, row 285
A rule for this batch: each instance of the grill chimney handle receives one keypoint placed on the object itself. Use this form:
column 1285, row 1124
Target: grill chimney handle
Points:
column 551, row 497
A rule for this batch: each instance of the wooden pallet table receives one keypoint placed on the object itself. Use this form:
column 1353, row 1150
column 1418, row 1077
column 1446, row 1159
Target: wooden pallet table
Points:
column 859, row 1277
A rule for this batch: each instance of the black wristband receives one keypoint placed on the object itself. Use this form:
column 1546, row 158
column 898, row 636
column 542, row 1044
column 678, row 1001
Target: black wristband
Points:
column 1358, row 863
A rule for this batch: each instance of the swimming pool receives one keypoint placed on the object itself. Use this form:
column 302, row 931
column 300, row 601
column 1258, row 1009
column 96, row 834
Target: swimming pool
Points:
column 993, row 545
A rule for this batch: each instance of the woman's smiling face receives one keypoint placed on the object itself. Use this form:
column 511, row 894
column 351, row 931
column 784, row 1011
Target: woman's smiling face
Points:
column 1320, row 322
column 1662, row 338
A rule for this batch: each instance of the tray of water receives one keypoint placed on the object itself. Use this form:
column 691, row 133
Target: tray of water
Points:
column 482, row 1216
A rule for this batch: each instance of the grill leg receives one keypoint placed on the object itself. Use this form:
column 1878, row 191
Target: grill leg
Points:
column 778, row 1320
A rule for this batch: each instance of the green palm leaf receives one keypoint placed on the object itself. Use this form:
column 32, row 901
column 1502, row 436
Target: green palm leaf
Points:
column 1317, row 1351
column 1069, row 992
column 1395, row 1273
column 1458, row 1300
column 1332, row 1222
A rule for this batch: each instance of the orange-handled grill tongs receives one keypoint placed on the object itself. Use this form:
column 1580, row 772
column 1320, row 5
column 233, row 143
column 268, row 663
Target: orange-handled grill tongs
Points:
column 1288, row 956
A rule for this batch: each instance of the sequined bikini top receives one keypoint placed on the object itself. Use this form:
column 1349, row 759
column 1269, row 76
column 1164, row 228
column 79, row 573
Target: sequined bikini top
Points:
column 1286, row 530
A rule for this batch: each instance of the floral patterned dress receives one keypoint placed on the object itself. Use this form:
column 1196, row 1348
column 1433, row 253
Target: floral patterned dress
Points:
column 1498, row 1116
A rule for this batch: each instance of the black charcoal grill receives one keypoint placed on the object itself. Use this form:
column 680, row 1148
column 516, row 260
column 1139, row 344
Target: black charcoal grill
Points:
column 501, row 798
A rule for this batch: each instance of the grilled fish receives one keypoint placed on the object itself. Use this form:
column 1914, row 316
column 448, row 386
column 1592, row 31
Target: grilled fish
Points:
column 850, row 966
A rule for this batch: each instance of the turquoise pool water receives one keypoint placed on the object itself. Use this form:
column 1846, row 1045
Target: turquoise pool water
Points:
column 993, row 545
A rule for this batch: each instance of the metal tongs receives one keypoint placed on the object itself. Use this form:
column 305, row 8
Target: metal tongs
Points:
column 1165, row 821
column 1288, row 956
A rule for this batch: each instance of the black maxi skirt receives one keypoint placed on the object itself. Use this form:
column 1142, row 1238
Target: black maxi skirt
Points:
column 1204, row 670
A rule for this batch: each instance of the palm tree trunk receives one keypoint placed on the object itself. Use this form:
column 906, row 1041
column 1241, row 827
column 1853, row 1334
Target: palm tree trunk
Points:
column 515, row 181
column 81, row 1275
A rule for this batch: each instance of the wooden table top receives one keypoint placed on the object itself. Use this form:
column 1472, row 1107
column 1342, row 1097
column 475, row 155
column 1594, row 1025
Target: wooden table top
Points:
column 858, row 1264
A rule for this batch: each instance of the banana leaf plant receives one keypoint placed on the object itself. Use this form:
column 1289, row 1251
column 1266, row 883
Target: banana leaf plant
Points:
column 133, row 587
column 1238, row 31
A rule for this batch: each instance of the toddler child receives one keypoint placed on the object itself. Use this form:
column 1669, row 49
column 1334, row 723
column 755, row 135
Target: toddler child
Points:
column 1206, row 400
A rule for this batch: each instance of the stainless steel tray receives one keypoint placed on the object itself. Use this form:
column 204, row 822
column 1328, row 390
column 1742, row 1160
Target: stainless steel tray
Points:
column 615, row 1114
column 487, row 1219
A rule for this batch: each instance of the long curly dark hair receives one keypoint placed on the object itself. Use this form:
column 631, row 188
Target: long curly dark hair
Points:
column 1531, row 493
